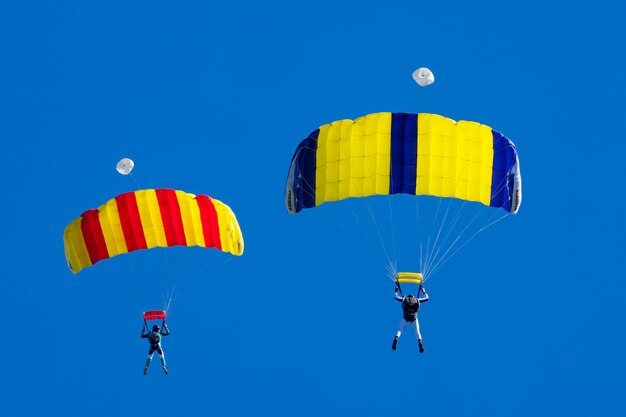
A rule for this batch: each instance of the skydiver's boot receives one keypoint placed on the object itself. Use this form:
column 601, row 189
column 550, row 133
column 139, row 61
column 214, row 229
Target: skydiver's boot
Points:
column 395, row 342
column 165, row 370
column 421, row 346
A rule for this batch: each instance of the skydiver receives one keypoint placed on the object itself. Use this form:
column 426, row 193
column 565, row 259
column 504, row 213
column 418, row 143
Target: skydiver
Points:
column 154, row 337
column 410, row 306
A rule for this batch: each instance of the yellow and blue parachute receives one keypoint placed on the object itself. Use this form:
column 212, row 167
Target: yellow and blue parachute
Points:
column 404, row 153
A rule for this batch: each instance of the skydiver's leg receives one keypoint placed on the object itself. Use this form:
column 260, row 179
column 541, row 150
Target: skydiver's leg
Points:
column 162, row 356
column 400, row 329
column 150, row 353
column 416, row 327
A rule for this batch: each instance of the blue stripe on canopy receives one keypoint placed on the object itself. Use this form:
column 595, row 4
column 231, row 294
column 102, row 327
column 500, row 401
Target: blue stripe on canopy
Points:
column 304, row 175
column 403, row 167
column 501, row 179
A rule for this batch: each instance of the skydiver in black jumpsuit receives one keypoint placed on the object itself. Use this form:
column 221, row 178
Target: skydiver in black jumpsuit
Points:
column 410, row 306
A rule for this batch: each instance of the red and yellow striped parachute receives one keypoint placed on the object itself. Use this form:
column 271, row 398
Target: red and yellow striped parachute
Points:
column 145, row 219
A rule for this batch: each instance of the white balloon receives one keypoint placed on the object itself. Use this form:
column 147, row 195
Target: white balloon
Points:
column 124, row 166
column 423, row 76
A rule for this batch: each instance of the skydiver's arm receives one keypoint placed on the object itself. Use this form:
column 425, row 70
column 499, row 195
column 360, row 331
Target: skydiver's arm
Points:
column 144, row 334
column 424, row 298
column 397, row 297
column 165, row 331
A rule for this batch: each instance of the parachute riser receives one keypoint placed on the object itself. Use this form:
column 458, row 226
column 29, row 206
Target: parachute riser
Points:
column 399, row 287
column 419, row 290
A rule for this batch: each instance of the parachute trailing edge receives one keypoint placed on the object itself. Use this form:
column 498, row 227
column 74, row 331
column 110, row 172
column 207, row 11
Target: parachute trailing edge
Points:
column 145, row 219
column 417, row 154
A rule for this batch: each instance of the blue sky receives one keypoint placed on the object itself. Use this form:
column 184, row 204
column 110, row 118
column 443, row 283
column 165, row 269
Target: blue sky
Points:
column 213, row 99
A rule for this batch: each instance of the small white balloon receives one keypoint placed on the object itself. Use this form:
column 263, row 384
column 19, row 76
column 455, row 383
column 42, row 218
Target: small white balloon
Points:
column 124, row 166
column 423, row 76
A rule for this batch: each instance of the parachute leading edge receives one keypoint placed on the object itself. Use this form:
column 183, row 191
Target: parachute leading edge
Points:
column 418, row 154
column 146, row 219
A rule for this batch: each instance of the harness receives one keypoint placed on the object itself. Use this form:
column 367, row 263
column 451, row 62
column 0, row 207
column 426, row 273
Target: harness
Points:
column 410, row 310
column 154, row 338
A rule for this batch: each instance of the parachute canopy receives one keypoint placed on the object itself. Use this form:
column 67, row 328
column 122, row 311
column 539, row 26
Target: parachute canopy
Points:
column 146, row 219
column 423, row 76
column 154, row 315
column 409, row 277
column 391, row 153
column 124, row 166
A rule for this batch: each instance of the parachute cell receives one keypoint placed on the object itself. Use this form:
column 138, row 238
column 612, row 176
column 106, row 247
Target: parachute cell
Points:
column 392, row 153
column 146, row 219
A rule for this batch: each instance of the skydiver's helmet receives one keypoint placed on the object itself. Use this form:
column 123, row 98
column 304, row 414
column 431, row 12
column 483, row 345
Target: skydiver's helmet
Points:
column 411, row 299
column 155, row 328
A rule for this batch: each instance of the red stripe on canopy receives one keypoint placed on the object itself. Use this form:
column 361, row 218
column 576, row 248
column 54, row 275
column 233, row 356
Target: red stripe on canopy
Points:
column 210, row 224
column 171, row 216
column 131, row 221
column 93, row 236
